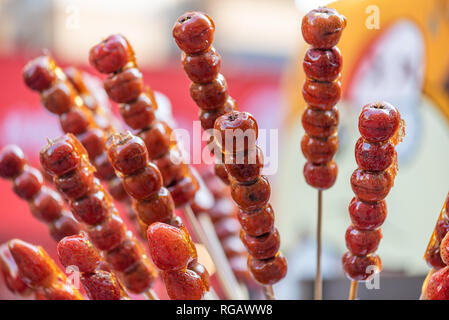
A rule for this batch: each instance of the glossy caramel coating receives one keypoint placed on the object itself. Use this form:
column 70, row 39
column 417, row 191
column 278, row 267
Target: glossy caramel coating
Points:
column 93, row 208
column 433, row 257
column 319, row 150
column 211, row 95
column 362, row 242
column 183, row 285
column 105, row 171
column 62, row 155
column 140, row 113
column 250, row 197
column 47, row 205
column 321, row 176
column 140, row 277
column 444, row 250
column 321, row 95
column 360, row 268
column 262, row 247
column 322, row 27
column 64, row 226
column 208, row 117
column 103, row 285
column 258, row 222
column 203, row 67
column 78, row 251
column 269, row 271
column 367, row 216
column 109, row 234
column 158, row 139
column 125, row 256
column 12, row 161
column 75, row 121
column 124, row 87
column 200, row 270
column 143, row 184
column 171, row 166
column 374, row 156
column 10, row 273
column 194, row 32
column 320, row 124
column 236, row 132
column 183, row 191
column 222, row 173
column 127, row 153
column 371, row 186
column 59, row 97
column 322, row 64
column 247, row 166
column 75, row 184
column 379, row 121
column 169, row 248
column 39, row 73
column 438, row 285
column 93, row 140
column 442, row 228
column 28, row 183
column 111, row 55
column 116, row 189
column 159, row 208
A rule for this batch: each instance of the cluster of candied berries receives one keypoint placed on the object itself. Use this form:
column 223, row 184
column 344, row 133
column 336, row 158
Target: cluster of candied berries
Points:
column 124, row 85
column 29, row 271
column 65, row 159
column 379, row 126
column 321, row 28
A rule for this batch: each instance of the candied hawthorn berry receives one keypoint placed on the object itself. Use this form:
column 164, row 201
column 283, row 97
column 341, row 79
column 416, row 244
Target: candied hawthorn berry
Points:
column 144, row 183
column 322, row 64
column 9, row 271
column 320, row 124
column 442, row 228
column 75, row 121
column 258, row 222
column 93, row 208
column 139, row 114
column 444, row 250
column 200, row 270
column 438, row 285
column 203, row 67
column 211, row 95
column 124, row 256
column 208, row 117
column 246, row 166
column 109, row 234
column 320, row 176
column 116, row 189
column 94, row 141
column 171, row 166
column 194, row 32
column 321, row 95
column 159, row 208
column 262, row 247
column 268, row 271
column 102, row 285
column 47, row 205
column 322, row 27
column 236, row 132
column 158, row 139
column 76, row 183
column 105, row 170
column 371, row 186
column 59, row 98
column 127, row 153
column 183, row 191
column 222, row 173
column 169, row 247
column 78, row 251
column 362, row 242
column 64, row 226
column 379, row 121
column 250, row 197
column 183, row 285
column 39, row 73
column 374, row 156
column 140, row 278
column 360, row 268
column 367, row 216
column 433, row 257
column 12, row 161
column 319, row 150
column 28, row 183
column 124, row 87
column 111, row 55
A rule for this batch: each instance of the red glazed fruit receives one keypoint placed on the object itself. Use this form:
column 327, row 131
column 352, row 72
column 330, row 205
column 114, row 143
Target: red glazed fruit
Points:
column 269, row 271
column 194, row 32
column 202, row 68
column 159, row 208
column 379, row 121
column 211, row 95
column 125, row 256
column 143, row 184
column 111, row 55
column 27, row 184
column 75, row 121
column 361, row 268
column 262, row 247
column 139, row 114
column 76, row 183
column 320, row 176
column 250, row 197
column 158, row 139
column 64, row 226
column 47, row 205
column 109, row 234
column 321, row 95
column 322, row 64
column 59, row 98
column 93, row 208
column 258, row 222
column 140, row 278
column 433, row 257
column 362, row 242
column 374, row 156
column 183, row 285
column 442, row 228
column 438, row 285
column 39, row 73
column 127, row 153
column 319, row 150
column 78, row 251
column 371, row 186
column 322, row 27
column 169, row 247
column 124, row 87
column 103, row 285
column 320, row 124
column 367, row 216
column 183, row 191
column 245, row 167
column 12, row 161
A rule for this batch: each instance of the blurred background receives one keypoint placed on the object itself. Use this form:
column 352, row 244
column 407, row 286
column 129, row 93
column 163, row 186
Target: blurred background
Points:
column 396, row 51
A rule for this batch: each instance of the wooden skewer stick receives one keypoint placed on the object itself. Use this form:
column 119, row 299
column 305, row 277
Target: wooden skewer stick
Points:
column 269, row 293
column 210, row 240
column 318, row 278
column 353, row 290
column 151, row 295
